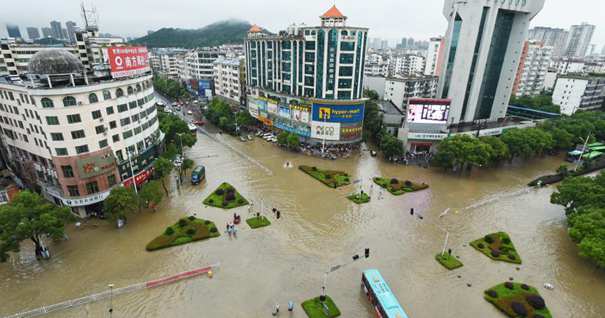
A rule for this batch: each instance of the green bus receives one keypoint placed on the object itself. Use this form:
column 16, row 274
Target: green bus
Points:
column 198, row 174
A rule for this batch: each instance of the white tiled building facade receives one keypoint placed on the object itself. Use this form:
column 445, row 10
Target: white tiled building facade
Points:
column 534, row 63
column 574, row 93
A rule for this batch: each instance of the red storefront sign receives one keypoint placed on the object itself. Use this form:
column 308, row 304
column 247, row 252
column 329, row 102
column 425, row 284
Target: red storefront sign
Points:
column 128, row 60
column 139, row 178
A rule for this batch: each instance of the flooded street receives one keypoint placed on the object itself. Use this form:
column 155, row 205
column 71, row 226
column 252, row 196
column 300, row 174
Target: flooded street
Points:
column 319, row 227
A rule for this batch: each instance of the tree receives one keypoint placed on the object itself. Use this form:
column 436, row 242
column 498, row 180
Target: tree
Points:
column 187, row 164
column 282, row 138
column 293, row 142
column 371, row 94
column 461, row 152
column 29, row 216
column 391, row 146
column 245, row 119
column 176, row 131
column 499, row 149
column 372, row 122
column 151, row 193
column 577, row 192
column 121, row 201
column 163, row 167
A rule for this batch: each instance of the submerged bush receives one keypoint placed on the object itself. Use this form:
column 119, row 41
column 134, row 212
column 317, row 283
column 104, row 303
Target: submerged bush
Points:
column 480, row 245
column 495, row 252
column 408, row 183
column 219, row 192
column 509, row 285
column 169, row 231
column 394, row 181
column 536, row 301
column 506, row 240
column 525, row 286
column 207, row 222
column 489, row 239
column 191, row 218
column 182, row 222
column 213, row 230
column 230, row 196
column 492, row 293
column 518, row 308
column 191, row 232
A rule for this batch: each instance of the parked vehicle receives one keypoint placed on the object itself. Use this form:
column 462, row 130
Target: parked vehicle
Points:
column 198, row 174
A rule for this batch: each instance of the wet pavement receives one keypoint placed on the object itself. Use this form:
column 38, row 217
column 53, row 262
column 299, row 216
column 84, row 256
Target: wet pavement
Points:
column 318, row 228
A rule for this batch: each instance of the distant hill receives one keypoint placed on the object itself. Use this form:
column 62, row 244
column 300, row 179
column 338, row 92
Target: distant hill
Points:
column 224, row 32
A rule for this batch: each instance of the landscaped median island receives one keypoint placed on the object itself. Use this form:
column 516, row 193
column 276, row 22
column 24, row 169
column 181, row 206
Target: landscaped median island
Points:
column 498, row 247
column 398, row 187
column 359, row 198
column 315, row 308
column 186, row 230
column 225, row 197
column 258, row 221
column 517, row 300
column 448, row 261
column 331, row 178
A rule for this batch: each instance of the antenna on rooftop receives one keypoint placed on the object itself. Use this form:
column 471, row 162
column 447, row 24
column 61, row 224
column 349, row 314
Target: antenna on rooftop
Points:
column 90, row 17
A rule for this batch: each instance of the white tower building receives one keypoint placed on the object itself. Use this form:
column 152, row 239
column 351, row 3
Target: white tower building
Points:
column 483, row 46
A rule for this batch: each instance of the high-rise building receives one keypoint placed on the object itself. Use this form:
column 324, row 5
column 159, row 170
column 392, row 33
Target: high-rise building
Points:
column 406, row 65
column 55, row 27
column 64, row 35
column 309, row 79
column 33, row 33
column 434, row 56
column 557, row 38
column 13, row 31
column 384, row 44
column 483, row 46
column 47, row 32
column 71, row 31
column 579, row 39
column 579, row 92
column 228, row 79
column 533, row 65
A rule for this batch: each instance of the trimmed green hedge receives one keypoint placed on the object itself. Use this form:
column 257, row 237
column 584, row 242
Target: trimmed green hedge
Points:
column 256, row 222
column 184, row 231
column 517, row 300
column 398, row 187
column 225, row 197
column 359, row 198
column 315, row 309
column 331, row 178
column 448, row 261
column 497, row 246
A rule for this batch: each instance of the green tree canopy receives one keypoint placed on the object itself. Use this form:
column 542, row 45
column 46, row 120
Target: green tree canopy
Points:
column 30, row 217
column 120, row 202
column 169, row 87
column 293, row 142
column 151, row 193
column 499, row 150
column 391, row 146
column 163, row 167
column 173, row 127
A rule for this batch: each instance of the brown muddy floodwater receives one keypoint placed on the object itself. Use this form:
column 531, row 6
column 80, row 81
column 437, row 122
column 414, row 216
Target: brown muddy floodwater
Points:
column 319, row 227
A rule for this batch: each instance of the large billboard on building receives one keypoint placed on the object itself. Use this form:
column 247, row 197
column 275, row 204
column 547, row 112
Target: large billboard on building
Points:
column 325, row 130
column 128, row 60
column 205, row 88
column 96, row 165
column 428, row 111
column 346, row 113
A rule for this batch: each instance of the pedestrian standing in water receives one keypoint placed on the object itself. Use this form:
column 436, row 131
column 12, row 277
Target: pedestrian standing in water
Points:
column 290, row 306
column 277, row 214
column 276, row 310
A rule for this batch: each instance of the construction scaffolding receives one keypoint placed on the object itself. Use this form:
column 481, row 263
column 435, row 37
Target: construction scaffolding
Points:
column 72, row 303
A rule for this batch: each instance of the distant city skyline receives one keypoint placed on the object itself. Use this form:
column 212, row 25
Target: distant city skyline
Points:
column 391, row 21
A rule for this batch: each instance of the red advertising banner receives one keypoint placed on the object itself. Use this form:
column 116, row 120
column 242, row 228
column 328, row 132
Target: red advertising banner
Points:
column 128, row 60
column 139, row 178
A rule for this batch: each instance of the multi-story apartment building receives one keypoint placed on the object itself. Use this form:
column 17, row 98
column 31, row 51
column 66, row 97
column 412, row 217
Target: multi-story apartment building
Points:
column 533, row 65
column 199, row 63
column 309, row 79
column 554, row 37
column 579, row 39
column 579, row 92
column 483, row 46
column 13, row 31
column 406, row 65
column 376, row 69
column 33, row 33
column 434, row 57
column 15, row 56
column 229, row 80
column 77, row 132
column 400, row 90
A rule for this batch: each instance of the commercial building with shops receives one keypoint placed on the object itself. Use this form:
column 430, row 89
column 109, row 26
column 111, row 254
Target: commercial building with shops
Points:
column 77, row 132
column 309, row 80
column 229, row 79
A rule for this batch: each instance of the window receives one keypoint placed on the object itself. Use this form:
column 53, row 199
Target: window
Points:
column 137, row 130
column 106, row 95
column 56, row 136
column 127, row 134
column 92, row 187
column 347, row 46
column 69, row 101
column 111, row 180
column 112, row 124
column 100, row 129
column 61, row 151
column 135, row 117
column 74, row 118
column 124, row 121
column 82, row 149
column 77, row 134
column 122, row 108
column 129, row 90
column 132, row 104
column 47, row 103
column 115, row 138
column 92, row 98
column 73, row 190
column 109, row 110
column 52, row 120
column 119, row 92
column 68, row 171
column 103, row 143
column 96, row 114
column 138, row 87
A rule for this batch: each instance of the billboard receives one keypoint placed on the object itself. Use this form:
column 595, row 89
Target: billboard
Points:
column 352, row 113
column 291, row 126
column 128, row 60
column 271, row 106
column 325, row 130
column 204, row 88
column 96, row 165
column 428, row 111
column 300, row 113
column 284, row 111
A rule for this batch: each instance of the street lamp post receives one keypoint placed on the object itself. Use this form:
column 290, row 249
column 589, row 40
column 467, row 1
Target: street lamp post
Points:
column 134, row 182
column 110, row 300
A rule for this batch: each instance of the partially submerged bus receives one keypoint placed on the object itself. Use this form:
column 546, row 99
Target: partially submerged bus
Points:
column 198, row 174
column 380, row 295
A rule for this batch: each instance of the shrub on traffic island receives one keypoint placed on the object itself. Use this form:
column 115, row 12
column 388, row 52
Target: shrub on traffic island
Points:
column 193, row 230
column 493, row 246
column 225, row 197
column 517, row 300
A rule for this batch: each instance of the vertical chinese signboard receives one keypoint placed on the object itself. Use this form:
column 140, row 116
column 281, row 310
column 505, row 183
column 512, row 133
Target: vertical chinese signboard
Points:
column 128, row 60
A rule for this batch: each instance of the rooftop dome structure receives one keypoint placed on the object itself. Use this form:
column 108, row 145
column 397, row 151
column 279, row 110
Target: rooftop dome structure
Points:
column 54, row 61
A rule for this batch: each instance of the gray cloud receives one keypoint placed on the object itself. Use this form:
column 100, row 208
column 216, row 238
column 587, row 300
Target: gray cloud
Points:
column 390, row 19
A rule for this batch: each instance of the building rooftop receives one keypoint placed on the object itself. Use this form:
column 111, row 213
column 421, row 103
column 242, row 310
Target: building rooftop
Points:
column 55, row 61
column 255, row 29
column 333, row 12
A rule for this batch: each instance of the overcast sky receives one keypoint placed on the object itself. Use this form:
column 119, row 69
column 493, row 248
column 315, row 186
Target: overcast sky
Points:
column 390, row 19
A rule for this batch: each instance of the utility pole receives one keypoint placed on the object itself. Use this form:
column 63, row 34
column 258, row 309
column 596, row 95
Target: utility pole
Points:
column 134, row 182
column 110, row 300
